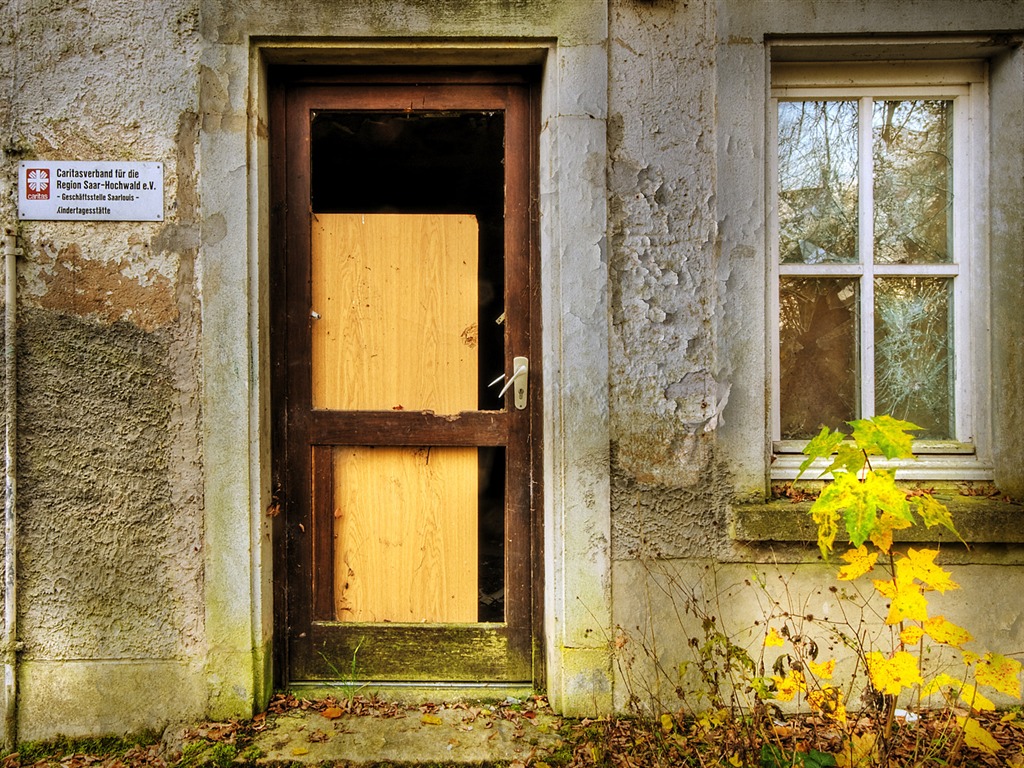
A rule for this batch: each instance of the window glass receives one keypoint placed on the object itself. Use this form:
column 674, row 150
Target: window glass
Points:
column 818, row 181
column 867, row 263
column 912, row 149
column 819, row 356
column 914, row 352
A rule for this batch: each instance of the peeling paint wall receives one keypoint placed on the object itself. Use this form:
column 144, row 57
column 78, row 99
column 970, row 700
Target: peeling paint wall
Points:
column 110, row 581
column 669, row 489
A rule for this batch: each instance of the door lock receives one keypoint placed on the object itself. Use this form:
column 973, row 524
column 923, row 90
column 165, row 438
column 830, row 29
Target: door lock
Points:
column 518, row 382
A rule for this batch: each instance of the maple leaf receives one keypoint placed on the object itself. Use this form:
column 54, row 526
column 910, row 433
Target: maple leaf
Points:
column 773, row 638
column 789, row 686
column 881, row 537
column 849, row 458
column 998, row 672
column 891, row 675
column 911, row 634
column 860, row 752
column 942, row 631
column 859, row 561
column 821, row 446
column 884, row 435
column 825, row 512
column 933, row 512
column 906, row 600
column 977, row 737
column 822, row 671
column 920, row 564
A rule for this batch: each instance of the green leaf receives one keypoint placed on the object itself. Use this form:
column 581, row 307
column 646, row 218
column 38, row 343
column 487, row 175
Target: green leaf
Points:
column 880, row 486
column 775, row 757
column 884, row 435
column 849, row 458
column 860, row 514
column 821, row 446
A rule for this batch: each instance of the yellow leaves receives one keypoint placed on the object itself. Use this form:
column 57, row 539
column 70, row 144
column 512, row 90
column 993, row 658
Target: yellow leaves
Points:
column 916, row 572
column 859, row 561
column 786, row 688
column 977, row 737
column 891, row 675
column 906, row 600
column 911, row 634
column 942, row 631
column 429, row 719
column 859, row 753
column 773, row 638
column 822, row 671
column 997, row 671
column 920, row 565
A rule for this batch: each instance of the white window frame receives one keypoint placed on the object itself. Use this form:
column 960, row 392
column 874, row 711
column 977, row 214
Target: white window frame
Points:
column 966, row 457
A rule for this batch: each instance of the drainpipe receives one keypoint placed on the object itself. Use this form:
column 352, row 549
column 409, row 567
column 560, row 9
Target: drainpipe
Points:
column 10, row 639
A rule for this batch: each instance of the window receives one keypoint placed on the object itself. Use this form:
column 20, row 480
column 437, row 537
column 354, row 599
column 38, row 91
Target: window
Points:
column 876, row 254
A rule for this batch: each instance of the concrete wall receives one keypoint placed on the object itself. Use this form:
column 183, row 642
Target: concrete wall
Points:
column 110, row 453
column 145, row 579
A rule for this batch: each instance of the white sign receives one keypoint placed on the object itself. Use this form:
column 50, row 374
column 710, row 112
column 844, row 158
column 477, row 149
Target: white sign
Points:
column 73, row 190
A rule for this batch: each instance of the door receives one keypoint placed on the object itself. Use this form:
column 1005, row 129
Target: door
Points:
column 406, row 387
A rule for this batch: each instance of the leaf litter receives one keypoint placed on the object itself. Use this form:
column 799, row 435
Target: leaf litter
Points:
column 607, row 742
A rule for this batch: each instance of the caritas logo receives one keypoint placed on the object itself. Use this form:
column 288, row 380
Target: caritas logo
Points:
column 37, row 183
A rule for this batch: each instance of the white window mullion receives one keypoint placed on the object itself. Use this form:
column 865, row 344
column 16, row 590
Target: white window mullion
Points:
column 865, row 249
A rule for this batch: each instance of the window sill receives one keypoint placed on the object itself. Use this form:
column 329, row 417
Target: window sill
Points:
column 951, row 467
column 980, row 520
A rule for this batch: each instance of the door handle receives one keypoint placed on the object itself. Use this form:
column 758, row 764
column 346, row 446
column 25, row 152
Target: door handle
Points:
column 519, row 381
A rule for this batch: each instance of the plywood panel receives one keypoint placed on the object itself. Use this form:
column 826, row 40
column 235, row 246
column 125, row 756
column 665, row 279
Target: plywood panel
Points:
column 396, row 296
column 405, row 534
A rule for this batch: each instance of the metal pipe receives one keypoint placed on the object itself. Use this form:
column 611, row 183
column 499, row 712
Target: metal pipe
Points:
column 10, row 641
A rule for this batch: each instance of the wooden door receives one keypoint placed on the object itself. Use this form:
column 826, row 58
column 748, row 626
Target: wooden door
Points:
column 403, row 285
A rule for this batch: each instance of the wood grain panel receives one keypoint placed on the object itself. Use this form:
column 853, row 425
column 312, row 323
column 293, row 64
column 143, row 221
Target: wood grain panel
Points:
column 405, row 534
column 396, row 296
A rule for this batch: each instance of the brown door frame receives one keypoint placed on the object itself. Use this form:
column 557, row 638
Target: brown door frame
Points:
column 512, row 651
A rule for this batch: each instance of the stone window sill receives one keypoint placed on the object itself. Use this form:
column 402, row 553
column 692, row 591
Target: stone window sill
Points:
column 980, row 520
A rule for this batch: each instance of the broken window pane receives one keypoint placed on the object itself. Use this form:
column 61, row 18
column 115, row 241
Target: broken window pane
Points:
column 913, row 146
column 819, row 354
column 817, row 182
column 914, row 352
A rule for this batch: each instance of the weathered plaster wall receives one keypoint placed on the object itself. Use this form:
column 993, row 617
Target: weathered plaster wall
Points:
column 688, row 275
column 666, row 397
column 110, row 503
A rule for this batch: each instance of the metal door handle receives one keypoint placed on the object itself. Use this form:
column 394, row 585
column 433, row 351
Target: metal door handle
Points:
column 519, row 379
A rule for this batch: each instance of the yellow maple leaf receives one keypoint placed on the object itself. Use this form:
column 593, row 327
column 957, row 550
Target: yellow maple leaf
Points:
column 999, row 672
column 773, row 638
column 891, row 675
column 789, row 686
column 911, row 634
column 859, row 751
column 859, row 561
column 977, row 737
column 881, row 537
column 920, row 564
column 942, row 631
column 906, row 600
column 822, row 671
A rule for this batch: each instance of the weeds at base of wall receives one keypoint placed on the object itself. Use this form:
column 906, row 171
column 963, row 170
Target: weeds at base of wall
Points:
column 909, row 691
